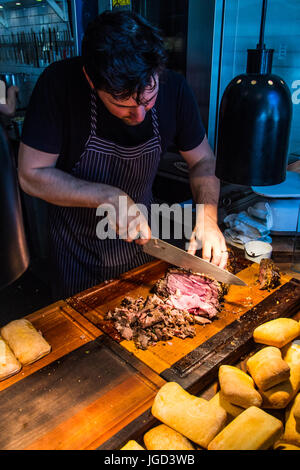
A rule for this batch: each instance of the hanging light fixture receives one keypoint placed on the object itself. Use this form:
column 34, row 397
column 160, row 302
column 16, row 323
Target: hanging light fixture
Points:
column 254, row 122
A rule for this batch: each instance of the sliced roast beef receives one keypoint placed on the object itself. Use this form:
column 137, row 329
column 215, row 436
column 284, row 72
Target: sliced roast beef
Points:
column 193, row 304
column 151, row 320
column 181, row 299
column 196, row 293
column 269, row 274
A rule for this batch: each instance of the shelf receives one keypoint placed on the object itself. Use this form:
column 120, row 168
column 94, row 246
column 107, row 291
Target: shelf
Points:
column 22, row 68
column 9, row 4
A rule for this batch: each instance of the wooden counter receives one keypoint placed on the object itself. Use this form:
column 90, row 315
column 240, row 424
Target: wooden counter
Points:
column 95, row 391
column 193, row 363
column 78, row 396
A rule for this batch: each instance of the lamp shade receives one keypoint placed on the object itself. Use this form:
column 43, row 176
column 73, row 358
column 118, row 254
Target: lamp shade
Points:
column 254, row 127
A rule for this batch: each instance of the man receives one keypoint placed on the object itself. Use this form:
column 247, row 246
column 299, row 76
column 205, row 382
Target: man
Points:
column 94, row 131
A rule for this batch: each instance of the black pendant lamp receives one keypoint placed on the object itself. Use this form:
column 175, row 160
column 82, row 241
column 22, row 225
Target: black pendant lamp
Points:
column 254, row 122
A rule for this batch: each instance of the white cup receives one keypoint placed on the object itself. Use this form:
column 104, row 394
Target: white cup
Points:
column 257, row 250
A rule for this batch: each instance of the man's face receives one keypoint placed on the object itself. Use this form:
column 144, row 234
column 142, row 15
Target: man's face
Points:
column 128, row 110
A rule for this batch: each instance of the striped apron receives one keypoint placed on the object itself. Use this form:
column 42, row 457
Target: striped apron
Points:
column 80, row 259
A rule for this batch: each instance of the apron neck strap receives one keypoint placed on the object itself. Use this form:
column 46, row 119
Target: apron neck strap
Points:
column 93, row 112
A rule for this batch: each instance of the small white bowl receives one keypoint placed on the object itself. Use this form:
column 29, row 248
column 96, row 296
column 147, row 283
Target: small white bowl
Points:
column 257, row 250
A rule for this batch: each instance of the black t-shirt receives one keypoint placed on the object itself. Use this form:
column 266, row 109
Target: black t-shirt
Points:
column 58, row 117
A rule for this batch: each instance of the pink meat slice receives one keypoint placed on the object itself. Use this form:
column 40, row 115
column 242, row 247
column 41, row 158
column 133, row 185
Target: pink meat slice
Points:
column 196, row 294
column 186, row 285
column 193, row 304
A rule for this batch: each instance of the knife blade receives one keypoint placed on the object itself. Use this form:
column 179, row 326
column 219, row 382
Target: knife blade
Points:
column 173, row 255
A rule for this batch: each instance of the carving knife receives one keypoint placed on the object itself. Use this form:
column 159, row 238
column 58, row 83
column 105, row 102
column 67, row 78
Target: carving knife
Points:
column 173, row 255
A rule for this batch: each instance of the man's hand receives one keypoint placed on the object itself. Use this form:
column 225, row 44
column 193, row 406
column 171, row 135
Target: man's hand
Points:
column 205, row 188
column 133, row 226
column 207, row 235
column 128, row 220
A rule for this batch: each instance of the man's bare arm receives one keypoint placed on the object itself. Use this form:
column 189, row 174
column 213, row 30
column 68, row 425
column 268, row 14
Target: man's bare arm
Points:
column 205, row 187
column 38, row 177
column 204, row 184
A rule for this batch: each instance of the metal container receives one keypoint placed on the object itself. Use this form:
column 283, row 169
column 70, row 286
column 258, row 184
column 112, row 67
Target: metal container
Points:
column 14, row 256
column 18, row 125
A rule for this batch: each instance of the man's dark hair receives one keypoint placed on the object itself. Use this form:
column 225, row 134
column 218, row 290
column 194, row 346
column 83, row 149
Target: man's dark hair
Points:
column 122, row 53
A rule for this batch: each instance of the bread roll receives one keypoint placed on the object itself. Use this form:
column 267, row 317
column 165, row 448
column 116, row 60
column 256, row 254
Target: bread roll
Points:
column 291, row 433
column 9, row 364
column 281, row 395
column 278, row 332
column 279, row 445
column 27, row 344
column 232, row 410
column 132, row 445
column 162, row 437
column 254, row 429
column 191, row 416
column 297, row 410
column 238, row 387
column 267, row 368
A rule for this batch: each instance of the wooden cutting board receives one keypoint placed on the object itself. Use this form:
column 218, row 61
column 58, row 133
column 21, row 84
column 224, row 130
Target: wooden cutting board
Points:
column 194, row 362
column 63, row 328
column 80, row 395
